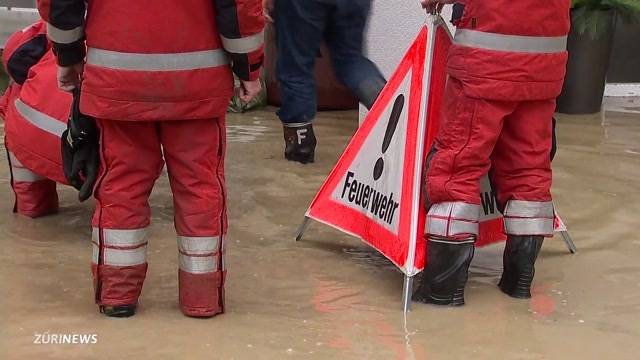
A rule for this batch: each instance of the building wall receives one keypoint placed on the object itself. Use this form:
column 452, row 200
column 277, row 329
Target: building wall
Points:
column 16, row 18
column 392, row 27
column 394, row 23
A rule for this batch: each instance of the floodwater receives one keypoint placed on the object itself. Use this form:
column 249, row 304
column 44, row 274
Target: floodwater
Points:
column 330, row 296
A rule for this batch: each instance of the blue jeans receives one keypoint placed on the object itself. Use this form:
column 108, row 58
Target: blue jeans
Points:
column 301, row 25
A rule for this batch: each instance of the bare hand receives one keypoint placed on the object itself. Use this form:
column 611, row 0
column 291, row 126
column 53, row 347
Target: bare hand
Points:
column 267, row 9
column 248, row 90
column 69, row 77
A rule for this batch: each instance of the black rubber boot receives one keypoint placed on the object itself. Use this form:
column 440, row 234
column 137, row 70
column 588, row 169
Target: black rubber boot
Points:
column 123, row 311
column 446, row 273
column 300, row 143
column 520, row 255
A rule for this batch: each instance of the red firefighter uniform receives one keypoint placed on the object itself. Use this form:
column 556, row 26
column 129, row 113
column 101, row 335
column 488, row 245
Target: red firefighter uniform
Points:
column 158, row 77
column 35, row 113
column 506, row 67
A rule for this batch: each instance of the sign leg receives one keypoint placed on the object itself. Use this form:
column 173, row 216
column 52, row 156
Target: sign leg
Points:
column 569, row 242
column 302, row 228
column 407, row 291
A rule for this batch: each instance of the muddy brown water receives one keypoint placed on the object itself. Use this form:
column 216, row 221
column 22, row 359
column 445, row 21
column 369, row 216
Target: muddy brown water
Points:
column 330, row 296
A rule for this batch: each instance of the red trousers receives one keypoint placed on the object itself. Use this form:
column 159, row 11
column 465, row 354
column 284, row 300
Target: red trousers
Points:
column 132, row 155
column 513, row 141
column 36, row 196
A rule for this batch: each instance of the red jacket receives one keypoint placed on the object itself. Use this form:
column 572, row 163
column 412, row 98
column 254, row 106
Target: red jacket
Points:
column 35, row 118
column 511, row 50
column 157, row 60
column 35, row 111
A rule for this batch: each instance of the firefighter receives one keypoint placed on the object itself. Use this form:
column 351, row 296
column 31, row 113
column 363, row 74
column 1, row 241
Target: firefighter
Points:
column 35, row 113
column 157, row 77
column 506, row 68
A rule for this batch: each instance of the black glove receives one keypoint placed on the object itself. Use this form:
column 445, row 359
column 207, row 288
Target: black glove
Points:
column 80, row 150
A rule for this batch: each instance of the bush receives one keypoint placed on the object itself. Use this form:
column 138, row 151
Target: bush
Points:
column 590, row 15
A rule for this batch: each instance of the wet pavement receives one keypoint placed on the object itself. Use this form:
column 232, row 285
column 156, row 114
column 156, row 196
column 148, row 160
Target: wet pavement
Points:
column 330, row 296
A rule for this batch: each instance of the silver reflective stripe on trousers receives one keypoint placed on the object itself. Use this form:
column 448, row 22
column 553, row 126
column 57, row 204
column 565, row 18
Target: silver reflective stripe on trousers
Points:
column 529, row 217
column 157, row 62
column 453, row 218
column 198, row 245
column 21, row 174
column 519, row 226
column 198, row 264
column 199, row 255
column 123, row 238
column 39, row 119
column 529, row 209
column 121, row 247
column 243, row 45
column 515, row 43
column 64, row 36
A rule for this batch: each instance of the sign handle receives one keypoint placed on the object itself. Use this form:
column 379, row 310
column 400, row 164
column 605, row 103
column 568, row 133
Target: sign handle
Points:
column 407, row 291
column 302, row 228
column 569, row 242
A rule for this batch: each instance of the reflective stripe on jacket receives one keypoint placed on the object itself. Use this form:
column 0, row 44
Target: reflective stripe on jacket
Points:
column 511, row 50
column 35, row 118
column 159, row 60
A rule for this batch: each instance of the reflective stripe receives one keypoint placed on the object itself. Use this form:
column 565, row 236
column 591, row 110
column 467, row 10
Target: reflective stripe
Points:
column 21, row 174
column 64, row 36
column 156, row 62
column 529, row 209
column 444, row 227
column 243, row 45
column 192, row 245
column 120, row 257
column 40, row 120
column 120, row 247
column 453, row 218
column 453, row 242
column 222, row 253
column 297, row 125
column 522, row 226
column 517, row 43
column 456, row 210
column 96, row 252
column 121, row 238
column 128, row 257
column 198, row 264
column 14, row 160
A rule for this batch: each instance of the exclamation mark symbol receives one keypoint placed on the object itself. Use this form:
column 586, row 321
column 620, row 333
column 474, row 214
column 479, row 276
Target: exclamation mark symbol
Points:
column 388, row 135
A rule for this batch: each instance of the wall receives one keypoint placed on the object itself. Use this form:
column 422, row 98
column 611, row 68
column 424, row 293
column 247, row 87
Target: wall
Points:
column 393, row 25
column 14, row 19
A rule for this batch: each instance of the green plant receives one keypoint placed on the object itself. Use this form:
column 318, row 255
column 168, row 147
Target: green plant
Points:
column 591, row 16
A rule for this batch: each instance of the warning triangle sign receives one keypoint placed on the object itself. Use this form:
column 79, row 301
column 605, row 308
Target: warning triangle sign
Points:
column 373, row 190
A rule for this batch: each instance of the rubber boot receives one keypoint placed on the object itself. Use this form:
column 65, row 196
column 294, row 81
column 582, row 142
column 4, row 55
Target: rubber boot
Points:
column 122, row 311
column 520, row 255
column 447, row 270
column 300, row 143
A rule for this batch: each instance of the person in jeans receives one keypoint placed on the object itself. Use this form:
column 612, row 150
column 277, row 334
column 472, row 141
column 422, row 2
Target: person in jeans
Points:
column 301, row 25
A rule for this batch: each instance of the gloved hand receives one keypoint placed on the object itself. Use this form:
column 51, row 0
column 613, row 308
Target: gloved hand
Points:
column 80, row 150
column 435, row 6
